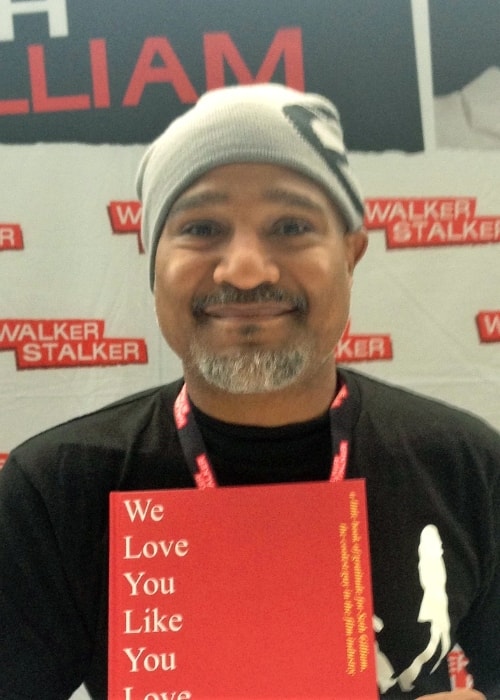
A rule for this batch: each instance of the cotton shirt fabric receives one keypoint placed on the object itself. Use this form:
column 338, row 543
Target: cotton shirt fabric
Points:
column 433, row 490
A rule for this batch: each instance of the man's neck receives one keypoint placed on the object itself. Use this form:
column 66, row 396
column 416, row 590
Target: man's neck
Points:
column 300, row 402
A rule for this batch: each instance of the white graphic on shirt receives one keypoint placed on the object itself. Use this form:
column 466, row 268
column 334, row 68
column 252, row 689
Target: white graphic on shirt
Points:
column 385, row 672
column 433, row 609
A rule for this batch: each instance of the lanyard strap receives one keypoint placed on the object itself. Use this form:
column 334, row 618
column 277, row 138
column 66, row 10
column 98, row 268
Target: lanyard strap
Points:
column 196, row 456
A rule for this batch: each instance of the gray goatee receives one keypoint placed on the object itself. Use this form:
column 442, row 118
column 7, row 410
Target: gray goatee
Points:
column 251, row 370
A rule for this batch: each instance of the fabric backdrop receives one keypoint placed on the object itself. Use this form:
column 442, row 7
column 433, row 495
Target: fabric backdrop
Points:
column 85, row 85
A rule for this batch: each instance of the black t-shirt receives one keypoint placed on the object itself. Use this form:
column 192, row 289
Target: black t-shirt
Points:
column 246, row 455
column 432, row 477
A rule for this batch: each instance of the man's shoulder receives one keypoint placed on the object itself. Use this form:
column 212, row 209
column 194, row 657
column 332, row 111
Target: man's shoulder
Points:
column 114, row 425
column 400, row 408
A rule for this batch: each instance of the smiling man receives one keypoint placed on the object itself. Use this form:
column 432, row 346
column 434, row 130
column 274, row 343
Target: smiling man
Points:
column 252, row 278
column 253, row 221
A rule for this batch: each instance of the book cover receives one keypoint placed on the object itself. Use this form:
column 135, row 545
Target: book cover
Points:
column 241, row 593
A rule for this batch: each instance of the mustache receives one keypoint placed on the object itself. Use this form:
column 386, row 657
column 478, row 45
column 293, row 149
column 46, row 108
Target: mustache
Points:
column 263, row 293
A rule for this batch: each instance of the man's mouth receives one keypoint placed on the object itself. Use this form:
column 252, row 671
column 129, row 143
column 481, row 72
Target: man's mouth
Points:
column 260, row 310
column 261, row 302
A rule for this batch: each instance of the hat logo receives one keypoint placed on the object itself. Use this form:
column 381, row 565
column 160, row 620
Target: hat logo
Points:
column 320, row 127
column 328, row 136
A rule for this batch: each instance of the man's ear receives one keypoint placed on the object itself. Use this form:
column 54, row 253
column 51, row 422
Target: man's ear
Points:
column 356, row 243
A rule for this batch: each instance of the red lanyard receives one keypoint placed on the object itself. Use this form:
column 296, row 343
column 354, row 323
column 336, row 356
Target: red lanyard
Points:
column 197, row 459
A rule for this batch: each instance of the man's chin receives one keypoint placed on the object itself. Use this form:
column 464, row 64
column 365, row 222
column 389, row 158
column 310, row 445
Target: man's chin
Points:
column 252, row 371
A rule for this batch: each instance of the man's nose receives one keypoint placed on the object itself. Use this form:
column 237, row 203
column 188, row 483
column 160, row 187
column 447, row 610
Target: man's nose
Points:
column 246, row 262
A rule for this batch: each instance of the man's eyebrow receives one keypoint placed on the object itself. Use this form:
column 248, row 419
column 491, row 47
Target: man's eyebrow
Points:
column 275, row 194
column 291, row 198
column 194, row 201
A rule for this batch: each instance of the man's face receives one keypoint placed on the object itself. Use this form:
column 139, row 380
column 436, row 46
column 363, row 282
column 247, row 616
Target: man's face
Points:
column 252, row 278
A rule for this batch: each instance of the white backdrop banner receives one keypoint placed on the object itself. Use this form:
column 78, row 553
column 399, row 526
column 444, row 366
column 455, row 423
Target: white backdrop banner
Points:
column 85, row 85
column 80, row 97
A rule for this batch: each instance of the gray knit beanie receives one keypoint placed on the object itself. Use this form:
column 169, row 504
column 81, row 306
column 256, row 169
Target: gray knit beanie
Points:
column 264, row 123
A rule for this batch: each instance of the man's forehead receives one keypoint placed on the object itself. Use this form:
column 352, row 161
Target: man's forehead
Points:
column 278, row 184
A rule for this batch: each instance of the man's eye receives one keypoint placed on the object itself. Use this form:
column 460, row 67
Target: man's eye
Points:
column 200, row 229
column 292, row 227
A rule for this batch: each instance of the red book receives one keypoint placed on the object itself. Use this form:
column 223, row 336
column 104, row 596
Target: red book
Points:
column 241, row 593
